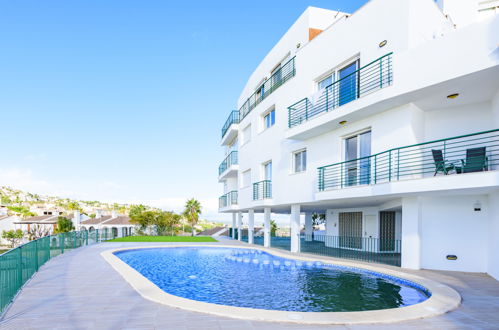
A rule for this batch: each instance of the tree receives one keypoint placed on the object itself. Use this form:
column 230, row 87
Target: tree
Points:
column 273, row 228
column 136, row 210
column 13, row 236
column 162, row 221
column 143, row 218
column 165, row 222
column 5, row 200
column 21, row 211
column 37, row 231
column 192, row 212
column 64, row 225
column 318, row 218
column 73, row 206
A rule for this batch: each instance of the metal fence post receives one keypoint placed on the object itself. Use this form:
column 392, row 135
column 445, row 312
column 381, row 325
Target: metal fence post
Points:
column 62, row 241
column 20, row 273
column 36, row 255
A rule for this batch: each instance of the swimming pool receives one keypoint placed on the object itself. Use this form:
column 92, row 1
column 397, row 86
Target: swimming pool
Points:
column 253, row 278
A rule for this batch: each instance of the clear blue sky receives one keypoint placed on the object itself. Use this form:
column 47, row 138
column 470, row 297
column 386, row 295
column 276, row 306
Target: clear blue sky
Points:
column 124, row 100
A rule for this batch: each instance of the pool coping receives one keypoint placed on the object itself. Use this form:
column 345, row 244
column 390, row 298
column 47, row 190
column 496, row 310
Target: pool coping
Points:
column 443, row 298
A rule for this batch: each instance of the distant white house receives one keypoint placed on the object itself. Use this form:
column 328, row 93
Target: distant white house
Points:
column 114, row 225
column 6, row 223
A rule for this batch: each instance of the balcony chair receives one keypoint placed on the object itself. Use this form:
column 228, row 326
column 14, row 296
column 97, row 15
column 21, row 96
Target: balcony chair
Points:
column 442, row 165
column 476, row 160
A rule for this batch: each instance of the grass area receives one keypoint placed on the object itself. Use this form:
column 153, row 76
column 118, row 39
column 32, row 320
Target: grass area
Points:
column 2, row 250
column 164, row 239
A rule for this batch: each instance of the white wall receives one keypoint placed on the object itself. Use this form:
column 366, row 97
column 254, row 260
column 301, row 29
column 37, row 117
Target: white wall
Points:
column 493, row 236
column 450, row 226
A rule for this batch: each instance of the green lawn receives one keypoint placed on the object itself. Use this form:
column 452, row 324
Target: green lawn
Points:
column 164, row 239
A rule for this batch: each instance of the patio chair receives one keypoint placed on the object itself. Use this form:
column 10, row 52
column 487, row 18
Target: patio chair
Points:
column 442, row 165
column 476, row 160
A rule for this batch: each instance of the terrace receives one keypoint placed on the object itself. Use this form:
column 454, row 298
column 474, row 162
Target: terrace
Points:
column 81, row 290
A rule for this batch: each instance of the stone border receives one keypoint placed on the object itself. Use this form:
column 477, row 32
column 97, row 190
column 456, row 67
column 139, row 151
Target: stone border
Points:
column 443, row 298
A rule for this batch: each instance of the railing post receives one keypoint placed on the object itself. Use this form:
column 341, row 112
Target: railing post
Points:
column 341, row 175
column 381, row 73
column 390, row 165
column 398, row 164
column 445, row 149
column 375, row 169
column 306, row 109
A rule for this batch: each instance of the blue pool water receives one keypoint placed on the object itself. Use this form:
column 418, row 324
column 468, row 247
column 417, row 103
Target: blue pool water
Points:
column 252, row 278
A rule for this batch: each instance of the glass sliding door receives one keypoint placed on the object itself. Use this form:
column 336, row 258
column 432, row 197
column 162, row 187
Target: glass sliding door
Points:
column 268, row 171
column 348, row 83
column 365, row 161
column 351, row 152
column 357, row 162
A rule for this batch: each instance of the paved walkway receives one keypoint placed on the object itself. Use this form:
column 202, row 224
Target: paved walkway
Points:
column 79, row 290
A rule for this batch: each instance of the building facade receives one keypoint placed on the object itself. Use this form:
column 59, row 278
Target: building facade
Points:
column 387, row 122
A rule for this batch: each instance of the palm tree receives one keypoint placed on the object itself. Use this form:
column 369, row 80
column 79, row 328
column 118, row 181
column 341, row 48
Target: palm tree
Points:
column 192, row 212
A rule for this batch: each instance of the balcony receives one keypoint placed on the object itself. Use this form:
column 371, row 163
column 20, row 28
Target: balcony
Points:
column 262, row 190
column 455, row 156
column 229, row 130
column 229, row 200
column 368, row 79
column 278, row 78
column 229, row 166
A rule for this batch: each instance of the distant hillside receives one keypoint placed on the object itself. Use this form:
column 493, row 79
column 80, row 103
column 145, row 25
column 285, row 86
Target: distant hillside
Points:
column 34, row 202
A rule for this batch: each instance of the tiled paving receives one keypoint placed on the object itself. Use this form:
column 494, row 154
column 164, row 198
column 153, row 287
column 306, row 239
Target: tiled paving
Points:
column 79, row 290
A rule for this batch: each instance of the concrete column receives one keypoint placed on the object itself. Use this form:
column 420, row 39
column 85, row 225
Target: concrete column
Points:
column 411, row 232
column 266, row 229
column 309, row 229
column 251, row 225
column 239, row 225
column 233, row 225
column 77, row 219
column 295, row 228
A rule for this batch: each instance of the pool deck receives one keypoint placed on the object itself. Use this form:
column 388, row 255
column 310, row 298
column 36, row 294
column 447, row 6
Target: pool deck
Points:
column 80, row 290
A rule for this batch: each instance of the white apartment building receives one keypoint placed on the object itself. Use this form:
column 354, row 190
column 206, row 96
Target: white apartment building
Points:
column 386, row 121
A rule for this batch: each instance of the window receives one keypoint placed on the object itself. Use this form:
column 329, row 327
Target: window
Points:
column 348, row 83
column 325, row 82
column 267, row 171
column 231, row 147
column 247, row 134
column 300, row 161
column 246, row 178
column 269, row 119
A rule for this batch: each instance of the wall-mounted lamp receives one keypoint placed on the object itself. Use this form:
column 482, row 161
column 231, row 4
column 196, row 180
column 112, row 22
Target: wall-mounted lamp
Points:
column 451, row 257
column 452, row 96
column 477, row 207
column 298, row 45
column 383, row 43
column 343, row 122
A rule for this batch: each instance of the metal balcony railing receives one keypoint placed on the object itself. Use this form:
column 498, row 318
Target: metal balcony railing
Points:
column 369, row 78
column 262, row 190
column 230, row 160
column 228, row 199
column 278, row 78
column 475, row 152
column 233, row 119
